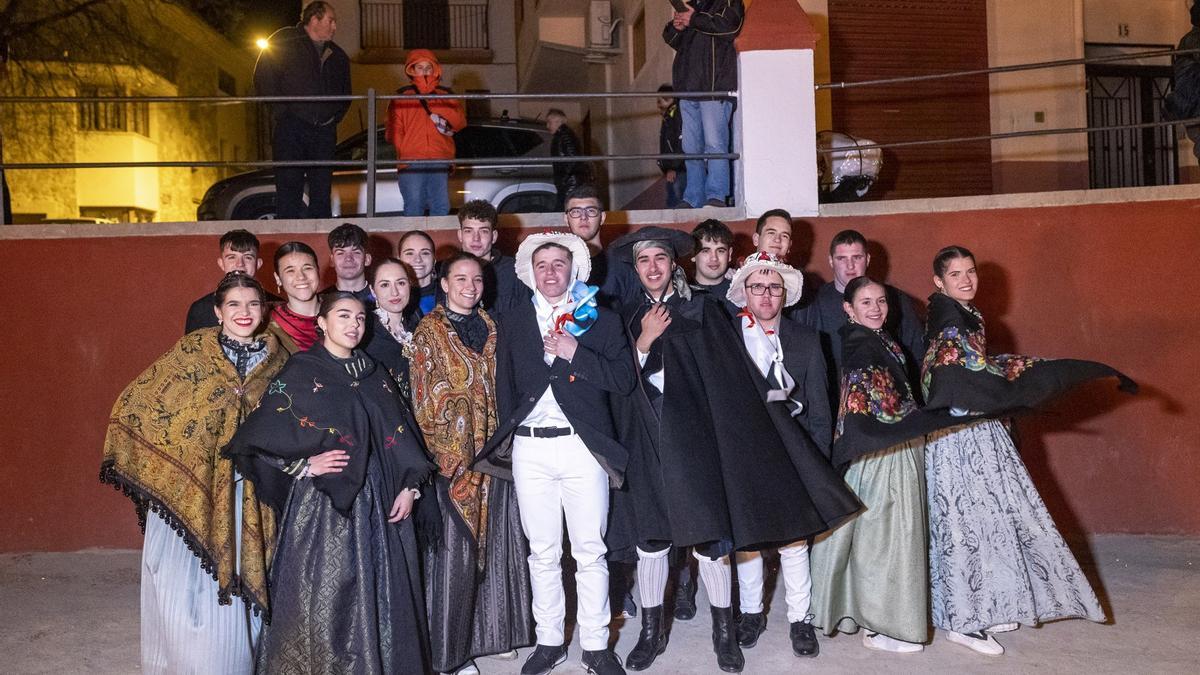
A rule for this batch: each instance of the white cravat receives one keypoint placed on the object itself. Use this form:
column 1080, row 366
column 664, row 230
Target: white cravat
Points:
column 547, row 412
column 767, row 353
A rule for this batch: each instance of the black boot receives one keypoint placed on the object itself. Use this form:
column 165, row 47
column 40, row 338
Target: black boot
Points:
column 651, row 642
column 729, row 654
column 750, row 626
column 804, row 639
column 685, row 599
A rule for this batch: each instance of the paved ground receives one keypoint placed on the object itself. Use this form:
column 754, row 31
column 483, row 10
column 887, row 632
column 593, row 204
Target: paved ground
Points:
column 78, row 613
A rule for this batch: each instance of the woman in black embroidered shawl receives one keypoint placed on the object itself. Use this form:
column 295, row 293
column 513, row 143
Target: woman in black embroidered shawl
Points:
column 872, row 571
column 393, row 321
column 345, row 587
column 996, row 558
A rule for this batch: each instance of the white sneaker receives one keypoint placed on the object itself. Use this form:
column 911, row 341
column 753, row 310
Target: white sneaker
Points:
column 1004, row 627
column 504, row 656
column 980, row 642
column 469, row 669
column 883, row 643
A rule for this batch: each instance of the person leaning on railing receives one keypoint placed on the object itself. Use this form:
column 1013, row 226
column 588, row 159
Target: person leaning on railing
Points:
column 302, row 60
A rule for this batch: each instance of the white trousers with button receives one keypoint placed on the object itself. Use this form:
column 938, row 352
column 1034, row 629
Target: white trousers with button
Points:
column 793, row 563
column 556, row 477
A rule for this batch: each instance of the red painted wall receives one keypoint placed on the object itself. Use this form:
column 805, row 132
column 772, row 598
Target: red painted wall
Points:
column 1111, row 282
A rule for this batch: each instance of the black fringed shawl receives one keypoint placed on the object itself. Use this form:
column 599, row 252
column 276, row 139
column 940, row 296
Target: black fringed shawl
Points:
column 317, row 404
column 958, row 373
column 877, row 409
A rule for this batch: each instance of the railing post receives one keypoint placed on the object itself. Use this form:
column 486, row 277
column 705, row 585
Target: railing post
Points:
column 371, row 138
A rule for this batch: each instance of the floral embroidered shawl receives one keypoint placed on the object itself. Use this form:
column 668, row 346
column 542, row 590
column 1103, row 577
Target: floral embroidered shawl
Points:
column 877, row 409
column 958, row 373
column 454, row 395
column 162, row 446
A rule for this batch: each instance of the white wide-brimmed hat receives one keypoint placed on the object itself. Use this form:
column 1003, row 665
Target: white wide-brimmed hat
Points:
column 581, row 258
column 793, row 281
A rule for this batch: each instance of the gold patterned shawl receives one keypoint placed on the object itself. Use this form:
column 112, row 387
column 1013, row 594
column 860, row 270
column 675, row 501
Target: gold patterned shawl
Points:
column 454, row 394
column 163, row 451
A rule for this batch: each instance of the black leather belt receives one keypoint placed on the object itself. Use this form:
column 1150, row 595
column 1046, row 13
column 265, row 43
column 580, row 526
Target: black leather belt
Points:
column 544, row 432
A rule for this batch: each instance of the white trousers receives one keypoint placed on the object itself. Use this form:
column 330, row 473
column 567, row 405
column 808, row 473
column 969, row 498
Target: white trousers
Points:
column 556, row 477
column 797, row 584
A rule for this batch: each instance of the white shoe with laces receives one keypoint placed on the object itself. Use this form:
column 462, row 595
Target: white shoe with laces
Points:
column 1004, row 627
column 883, row 643
column 979, row 642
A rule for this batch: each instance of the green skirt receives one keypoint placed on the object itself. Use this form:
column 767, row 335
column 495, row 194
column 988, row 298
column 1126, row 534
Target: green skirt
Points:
column 873, row 571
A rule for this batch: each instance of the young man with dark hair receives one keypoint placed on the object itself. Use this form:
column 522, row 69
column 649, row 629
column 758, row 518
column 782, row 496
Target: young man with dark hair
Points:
column 349, row 258
column 714, row 245
column 557, row 369
column 584, row 216
column 477, row 234
column 416, row 248
column 239, row 253
column 773, row 233
column 849, row 259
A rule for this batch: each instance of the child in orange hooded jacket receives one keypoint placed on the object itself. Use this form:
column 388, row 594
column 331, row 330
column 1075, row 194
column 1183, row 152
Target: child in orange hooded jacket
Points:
column 424, row 129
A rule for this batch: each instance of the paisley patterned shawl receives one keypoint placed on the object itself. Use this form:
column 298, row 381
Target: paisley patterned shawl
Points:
column 877, row 409
column 161, row 450
column 957, row 371
column 454, row 395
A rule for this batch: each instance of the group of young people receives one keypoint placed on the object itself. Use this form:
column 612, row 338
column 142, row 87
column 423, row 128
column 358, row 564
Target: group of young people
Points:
column 381, row 471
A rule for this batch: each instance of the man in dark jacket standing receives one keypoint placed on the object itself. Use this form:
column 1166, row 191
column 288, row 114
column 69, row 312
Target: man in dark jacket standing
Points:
column 302, row 60
column 705, row 60
column 670, row 142
column 564, row 143
column 557, row 365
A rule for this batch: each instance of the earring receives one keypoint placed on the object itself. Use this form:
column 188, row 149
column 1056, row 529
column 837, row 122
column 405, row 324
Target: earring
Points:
column 220, row 321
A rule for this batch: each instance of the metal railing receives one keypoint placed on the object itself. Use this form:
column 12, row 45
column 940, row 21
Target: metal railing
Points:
column 372, row 100
column 429, row 24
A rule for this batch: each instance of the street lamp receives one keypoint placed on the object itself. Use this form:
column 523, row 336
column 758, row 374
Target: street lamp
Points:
column 261, row 43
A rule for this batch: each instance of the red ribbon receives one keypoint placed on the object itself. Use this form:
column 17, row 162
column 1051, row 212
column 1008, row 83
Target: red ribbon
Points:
column 746, row 313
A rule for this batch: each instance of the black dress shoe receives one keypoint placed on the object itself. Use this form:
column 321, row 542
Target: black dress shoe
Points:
column 652, row 641
column 543, row 659
column 750, row 626
column 729, row 654
column 602, row 662
column 685, row 600
column 804, row 639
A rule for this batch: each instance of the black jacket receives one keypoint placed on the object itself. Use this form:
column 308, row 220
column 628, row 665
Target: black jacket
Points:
column 705, row 59
column 291, row 66
column 670, row 139
column 568, row 175
column 602, row 367
column 805, row 362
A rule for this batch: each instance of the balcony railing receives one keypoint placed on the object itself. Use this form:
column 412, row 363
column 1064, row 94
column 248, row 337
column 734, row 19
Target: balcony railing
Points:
column 427, row 24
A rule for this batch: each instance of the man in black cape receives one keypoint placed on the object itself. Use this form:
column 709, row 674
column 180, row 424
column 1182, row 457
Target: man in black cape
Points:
column 708, row 466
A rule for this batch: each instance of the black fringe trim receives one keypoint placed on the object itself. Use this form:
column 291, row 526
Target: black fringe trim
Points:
column 144, row 501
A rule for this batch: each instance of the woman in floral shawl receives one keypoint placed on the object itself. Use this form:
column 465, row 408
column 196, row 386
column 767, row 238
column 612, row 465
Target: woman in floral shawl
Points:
column 334, row 451
column 996, row 558
column 872, row 571
column 477, row 582
column 209, row 537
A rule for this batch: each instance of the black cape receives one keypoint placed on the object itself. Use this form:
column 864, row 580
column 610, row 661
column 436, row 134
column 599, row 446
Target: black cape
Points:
column 958, row 372
column 709, row 461
column 315, row 405
column 876, row 409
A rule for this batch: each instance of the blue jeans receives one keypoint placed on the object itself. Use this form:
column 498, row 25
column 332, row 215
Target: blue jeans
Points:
column 706, row 130
column 675, row 190
column 425, row 188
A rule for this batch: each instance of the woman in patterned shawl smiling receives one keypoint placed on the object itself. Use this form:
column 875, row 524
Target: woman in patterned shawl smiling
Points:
column 208, row 538
column 996, row 559
column 334, row 450
column 477, row 581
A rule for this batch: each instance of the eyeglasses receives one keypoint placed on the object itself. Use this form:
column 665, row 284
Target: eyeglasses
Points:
column 758, row 289
column 579, row 212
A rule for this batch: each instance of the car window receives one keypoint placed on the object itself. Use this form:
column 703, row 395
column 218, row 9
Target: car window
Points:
column 355, row 148
column 480, row 141
column 525, row 141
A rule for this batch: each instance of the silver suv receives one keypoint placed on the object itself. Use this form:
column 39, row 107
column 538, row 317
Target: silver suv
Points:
column 511, row 188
